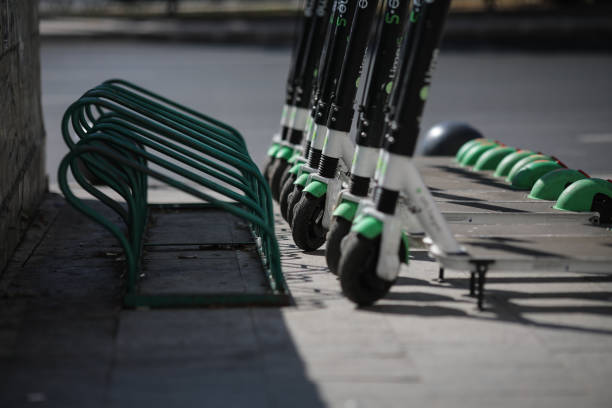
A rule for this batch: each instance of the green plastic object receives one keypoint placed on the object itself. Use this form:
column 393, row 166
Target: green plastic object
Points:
column 368, row 226
column 490, row 159
column 504, row 167
column 467, row 146
column 551, row 185
column 273, row 149
column 588, row 195
column 285, row 153
column 527, row 176
column 523, row 162
column 316, row 188
column 301, row 180
column 471, row 156
column 296, row 168
column 346, row 209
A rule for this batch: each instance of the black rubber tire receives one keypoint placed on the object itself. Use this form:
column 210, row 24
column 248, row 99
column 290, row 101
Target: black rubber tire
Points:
column 339, row 229
column 357, row 270
column 268, row 167
column 292, row 200
column 283, row 200
column 308, row 233
column 276, row 172
column 286, row 175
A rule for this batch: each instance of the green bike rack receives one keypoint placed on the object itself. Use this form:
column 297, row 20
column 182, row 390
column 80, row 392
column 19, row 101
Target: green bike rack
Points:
column 124, row 135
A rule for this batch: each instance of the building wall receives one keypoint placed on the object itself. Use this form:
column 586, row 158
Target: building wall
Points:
column 22, row 135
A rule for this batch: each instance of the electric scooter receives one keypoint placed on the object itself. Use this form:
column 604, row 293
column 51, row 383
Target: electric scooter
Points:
column 369, row 134
column 369, row 263
column 330, row 67
column 298, row 48
column 311, row 220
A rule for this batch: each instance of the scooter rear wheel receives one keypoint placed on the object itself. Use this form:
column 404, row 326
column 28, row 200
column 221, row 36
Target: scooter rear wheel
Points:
column 339, row 229
column 306, row 226
column 357, row 270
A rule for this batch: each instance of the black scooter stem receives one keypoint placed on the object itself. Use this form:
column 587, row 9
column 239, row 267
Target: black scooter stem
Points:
column 405, row 122
column 381, row 72
column 342, row 23
column 341, row 112
column 304, row 77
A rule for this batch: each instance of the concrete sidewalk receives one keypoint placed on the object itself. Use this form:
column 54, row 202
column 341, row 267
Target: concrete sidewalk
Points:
column 543, row 340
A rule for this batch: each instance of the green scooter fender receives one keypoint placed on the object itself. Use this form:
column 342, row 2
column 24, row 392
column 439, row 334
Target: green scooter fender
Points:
column 346, row 209
column 491, row 158
column 316, row 188
column 285, row 152
column 504, row 167
column 552, row 184
column 579, row 196
column 368, row 226
column 272, row 150
column 526, row 177
column 295, row 169
column 302, row 180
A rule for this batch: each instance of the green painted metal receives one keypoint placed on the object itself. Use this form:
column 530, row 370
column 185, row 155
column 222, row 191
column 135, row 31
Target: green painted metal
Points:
column 504, row 167
column 125, row 136
column 467, row 146
column 523, row 162
column 316, row 188
column 527, row 176
column 471, row 156
column 301, row 180
column 552, row 184
column 368, row 226
column 579, row 195
column 285, row 153
column 346, row 209
column 491, row 158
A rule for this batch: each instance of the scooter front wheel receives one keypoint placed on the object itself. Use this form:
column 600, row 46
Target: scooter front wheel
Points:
column 306, row 226
column 283, row 200
column 357, row 270
column 294, row 197
column 268, row 167
column 339, row 228
column 276, row 173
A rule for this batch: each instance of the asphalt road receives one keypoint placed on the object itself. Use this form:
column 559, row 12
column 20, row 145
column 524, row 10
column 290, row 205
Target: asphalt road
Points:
column 555, row 103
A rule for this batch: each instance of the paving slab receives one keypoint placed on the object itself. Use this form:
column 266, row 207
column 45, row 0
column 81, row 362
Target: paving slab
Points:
column 544, row 339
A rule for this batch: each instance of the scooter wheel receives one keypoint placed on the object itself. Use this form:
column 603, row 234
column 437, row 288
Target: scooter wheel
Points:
column 268, row 167
column 339, row 229
column 294, row 197
column 357, row 270
column 286, row 176
column 276, row 172
column 306, row 226
column 283, row 200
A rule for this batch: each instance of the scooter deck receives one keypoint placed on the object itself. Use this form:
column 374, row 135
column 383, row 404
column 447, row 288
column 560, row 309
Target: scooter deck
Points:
column 591, row 254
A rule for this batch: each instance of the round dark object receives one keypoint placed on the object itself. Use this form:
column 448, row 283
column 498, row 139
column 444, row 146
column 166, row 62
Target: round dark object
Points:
column 306, row 226
column 277, row 170
column 339, row 228
column 283, row 201
column 445, row 139
column 357, row 270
